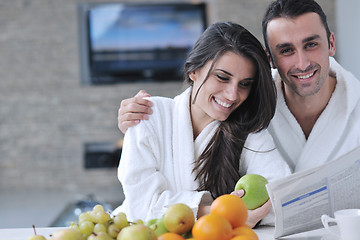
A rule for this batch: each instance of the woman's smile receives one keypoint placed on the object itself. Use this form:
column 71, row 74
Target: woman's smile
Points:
column 221, row 103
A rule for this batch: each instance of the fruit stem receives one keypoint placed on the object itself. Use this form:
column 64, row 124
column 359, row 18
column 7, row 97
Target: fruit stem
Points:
column 34, row 229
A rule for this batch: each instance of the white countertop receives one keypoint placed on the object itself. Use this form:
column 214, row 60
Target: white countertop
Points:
column 264, row 233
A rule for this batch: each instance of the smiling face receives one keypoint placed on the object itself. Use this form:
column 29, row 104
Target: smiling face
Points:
column 227, row 86
column 300, row 51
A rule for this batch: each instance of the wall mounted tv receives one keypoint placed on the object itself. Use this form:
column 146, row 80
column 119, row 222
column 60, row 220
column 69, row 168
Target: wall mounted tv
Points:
column 132, row 42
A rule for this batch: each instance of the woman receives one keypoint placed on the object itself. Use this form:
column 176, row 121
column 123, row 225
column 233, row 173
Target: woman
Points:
column 196, row 146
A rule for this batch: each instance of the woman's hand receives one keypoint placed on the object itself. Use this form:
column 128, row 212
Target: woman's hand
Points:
column 134, row 109
column 254, row 216
column 203, row 210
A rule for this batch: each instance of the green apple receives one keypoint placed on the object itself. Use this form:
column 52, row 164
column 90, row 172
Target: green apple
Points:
column 179, row 218
column 159, row 227
column 255, row 193
column 137, row 232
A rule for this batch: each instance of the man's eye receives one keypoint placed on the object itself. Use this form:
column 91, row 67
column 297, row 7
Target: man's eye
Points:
column 286, row 51
column 311, row 45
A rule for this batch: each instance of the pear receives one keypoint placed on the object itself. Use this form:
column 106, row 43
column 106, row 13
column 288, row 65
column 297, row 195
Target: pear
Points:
column 35, row 236
column 67, row 234
column 179, row 218
column 99, row 236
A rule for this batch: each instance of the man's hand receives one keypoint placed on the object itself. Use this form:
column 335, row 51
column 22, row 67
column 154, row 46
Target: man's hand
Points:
column 134, row 109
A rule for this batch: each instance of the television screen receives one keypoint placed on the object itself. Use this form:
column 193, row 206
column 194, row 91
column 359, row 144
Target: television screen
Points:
column 125, row 42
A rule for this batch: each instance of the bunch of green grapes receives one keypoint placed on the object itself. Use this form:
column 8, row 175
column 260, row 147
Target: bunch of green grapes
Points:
column 98, row 224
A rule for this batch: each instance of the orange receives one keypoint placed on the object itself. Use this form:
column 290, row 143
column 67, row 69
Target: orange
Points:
column 212, row 227
column 232, row 208
column 245, row 231
column 170, row 236
column 241, row 237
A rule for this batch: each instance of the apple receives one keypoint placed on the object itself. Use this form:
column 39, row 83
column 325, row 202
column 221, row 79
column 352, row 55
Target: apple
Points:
column 255, row 193
column 159, row 227
column 179, row 218
column 67, row 234
column 137, row 232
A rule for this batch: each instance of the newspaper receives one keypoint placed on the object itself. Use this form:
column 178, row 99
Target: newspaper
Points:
column 300, row 199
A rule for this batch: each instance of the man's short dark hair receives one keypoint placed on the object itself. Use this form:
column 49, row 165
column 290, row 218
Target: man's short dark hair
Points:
column 292, row 9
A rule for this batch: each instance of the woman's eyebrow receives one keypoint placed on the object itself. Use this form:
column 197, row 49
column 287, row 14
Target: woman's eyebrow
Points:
column 226, row 72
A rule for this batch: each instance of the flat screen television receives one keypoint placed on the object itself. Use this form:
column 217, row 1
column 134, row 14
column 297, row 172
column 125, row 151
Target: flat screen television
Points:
column 132, row 42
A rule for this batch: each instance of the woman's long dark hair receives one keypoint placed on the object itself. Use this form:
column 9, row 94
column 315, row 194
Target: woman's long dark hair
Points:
column 217, row 169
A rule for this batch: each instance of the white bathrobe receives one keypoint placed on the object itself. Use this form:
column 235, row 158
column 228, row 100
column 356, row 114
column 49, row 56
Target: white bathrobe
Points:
column 336, row 132
column 158, row 155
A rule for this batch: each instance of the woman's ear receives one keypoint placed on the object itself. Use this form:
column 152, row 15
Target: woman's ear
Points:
column 192, row 76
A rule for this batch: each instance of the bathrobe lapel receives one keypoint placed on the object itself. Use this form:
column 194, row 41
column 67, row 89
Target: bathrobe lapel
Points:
column 183, row 141
column 332, row 122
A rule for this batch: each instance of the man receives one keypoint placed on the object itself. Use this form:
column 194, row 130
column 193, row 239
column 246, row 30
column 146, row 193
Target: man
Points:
column 318, row 108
